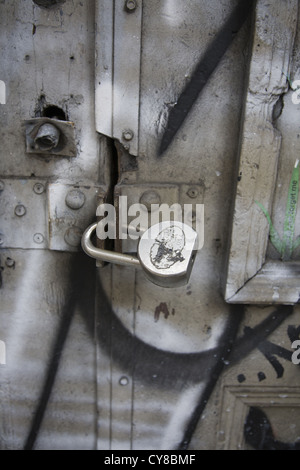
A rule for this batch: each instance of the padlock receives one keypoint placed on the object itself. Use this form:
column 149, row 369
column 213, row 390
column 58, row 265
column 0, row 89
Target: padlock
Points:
column 166, row 253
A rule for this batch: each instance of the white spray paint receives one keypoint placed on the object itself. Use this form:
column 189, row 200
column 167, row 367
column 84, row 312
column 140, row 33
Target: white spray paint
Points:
column 180, row 416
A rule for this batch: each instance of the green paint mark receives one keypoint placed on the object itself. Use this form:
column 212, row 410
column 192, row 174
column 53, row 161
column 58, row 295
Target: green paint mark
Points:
column 290, row 214
column 287, row 245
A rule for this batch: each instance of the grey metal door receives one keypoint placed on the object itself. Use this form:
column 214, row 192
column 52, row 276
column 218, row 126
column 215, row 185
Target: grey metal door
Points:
column 96, row 356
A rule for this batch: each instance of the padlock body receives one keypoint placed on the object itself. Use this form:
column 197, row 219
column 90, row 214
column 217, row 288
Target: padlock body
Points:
column 167, row 252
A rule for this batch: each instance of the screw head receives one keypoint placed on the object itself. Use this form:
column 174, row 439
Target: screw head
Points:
column 124, row 381
column 193, row 193
column 128, row 135
column 130, row 5
column 20, row 210
column 39, row 188
column 38, row 238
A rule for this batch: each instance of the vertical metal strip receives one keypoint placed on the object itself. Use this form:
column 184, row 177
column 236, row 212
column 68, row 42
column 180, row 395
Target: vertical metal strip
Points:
column 104, row 66
column 121, row 379
column 116, row 293
column 118, row 71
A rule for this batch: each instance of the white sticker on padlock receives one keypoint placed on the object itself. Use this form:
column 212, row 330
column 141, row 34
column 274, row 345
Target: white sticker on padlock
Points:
column 167, row 251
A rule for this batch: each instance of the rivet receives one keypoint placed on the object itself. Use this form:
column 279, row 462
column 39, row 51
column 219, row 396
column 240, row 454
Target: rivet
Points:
column 39, row 188
column 73, row 236
column 124, row 381
column 150, row 197
column 193, row 193
column 20, row 210
column 10, row 263
column 75, row 199
column 128, row 135
column 130, row 5
column 2, row 185
column 38, row 238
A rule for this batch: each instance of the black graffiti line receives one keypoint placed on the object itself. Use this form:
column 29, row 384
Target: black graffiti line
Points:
column 259, row 433
column 270, row 350
column 191, row 427
column 204, row 397
column 204, row 70
column 255, row 336
column 139, row 356
column 172, row 368
column 279, row 369
column 175, row 369
column 293, row 332
column 81, row 291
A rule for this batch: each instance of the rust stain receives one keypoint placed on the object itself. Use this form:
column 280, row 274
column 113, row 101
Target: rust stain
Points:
column 162, row 308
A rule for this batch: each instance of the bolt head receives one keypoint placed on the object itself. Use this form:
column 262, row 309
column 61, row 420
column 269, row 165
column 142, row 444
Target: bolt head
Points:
column 124, row 381
column 38, row 238
column 20, row 210
column 130, row 5
column 193, row 193
column 128, row 135
column 75, row 199
column 39, row 188
column 48, row 137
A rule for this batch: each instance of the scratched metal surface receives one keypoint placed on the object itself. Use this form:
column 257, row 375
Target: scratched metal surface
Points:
column 140, row 367
column 190, row 319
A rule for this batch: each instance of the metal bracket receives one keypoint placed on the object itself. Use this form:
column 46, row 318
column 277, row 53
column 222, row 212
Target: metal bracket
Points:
column 36, row 214
column 148, row 194
column 63, row 143
column 22, row 213
column 71, row 208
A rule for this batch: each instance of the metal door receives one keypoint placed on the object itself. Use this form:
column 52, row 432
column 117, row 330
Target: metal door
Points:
column 96, row 356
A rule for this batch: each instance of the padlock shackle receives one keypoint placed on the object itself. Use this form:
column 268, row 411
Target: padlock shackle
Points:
column 105, row 255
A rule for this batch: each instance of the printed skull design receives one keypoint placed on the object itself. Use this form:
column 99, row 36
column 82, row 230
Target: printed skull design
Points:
column 168, row 246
